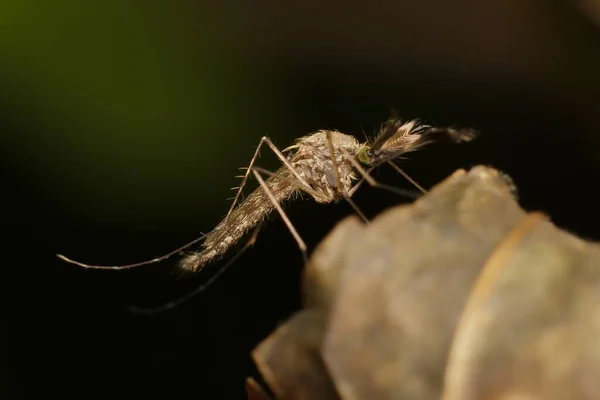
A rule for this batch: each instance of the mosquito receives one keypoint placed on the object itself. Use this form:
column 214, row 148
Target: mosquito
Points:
column 325, row 165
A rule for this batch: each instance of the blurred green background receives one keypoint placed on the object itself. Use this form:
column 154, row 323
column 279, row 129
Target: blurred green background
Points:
column 125, row 109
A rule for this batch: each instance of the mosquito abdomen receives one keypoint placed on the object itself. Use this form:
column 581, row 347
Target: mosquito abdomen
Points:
column 243, row 218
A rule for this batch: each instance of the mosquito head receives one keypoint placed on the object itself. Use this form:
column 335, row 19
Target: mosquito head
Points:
column 397, row 138
column 364, row 155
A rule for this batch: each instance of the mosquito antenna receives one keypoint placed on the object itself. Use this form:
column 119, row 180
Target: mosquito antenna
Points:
column 138, row 264
column 199, row 289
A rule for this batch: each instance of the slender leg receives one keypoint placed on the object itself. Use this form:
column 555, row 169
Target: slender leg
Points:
column 338, row 181
column 356, row 209
column 279, row 155
column 371, row 181
column 406, row 176
column 313, row 193
column 362, row 180
column 138, row 264
column 291, row 181
column 199, row 289
column 282, row 213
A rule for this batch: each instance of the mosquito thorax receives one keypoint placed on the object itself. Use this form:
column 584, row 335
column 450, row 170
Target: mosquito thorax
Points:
column 363, row 155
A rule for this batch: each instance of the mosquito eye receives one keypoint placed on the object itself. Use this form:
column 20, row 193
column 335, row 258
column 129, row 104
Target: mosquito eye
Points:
column 363, row 155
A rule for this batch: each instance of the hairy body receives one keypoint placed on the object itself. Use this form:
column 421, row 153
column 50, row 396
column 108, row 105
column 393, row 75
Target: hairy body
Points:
column 310, row 158
column 323, row 165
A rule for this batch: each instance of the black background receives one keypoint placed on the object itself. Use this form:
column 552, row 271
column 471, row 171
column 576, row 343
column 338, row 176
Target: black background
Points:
column 67, row 331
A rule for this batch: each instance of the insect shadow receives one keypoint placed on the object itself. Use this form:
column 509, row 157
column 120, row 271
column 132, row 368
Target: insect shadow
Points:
column 326, row 165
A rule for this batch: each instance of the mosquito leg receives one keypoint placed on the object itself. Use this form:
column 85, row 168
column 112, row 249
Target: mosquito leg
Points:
column 282, row 213
column 338, row 181
column 406, row 176
column 199, row 289
column 312, row 192
column 279, row 155
column 356, row 209
column 138, row 264
column 362, row 180
column 371, row 181
column 291, row 181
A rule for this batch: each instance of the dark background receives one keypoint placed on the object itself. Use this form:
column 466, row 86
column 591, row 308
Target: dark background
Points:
column 123, row 123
